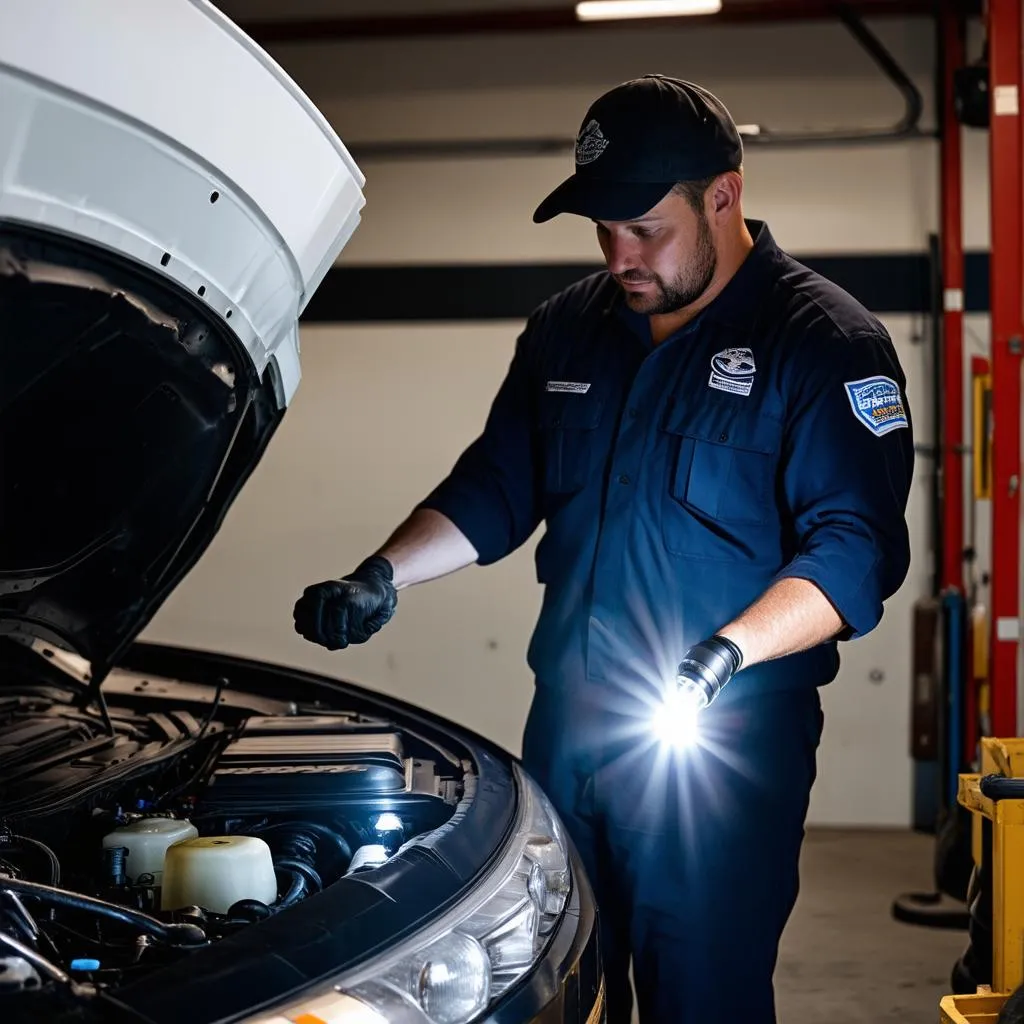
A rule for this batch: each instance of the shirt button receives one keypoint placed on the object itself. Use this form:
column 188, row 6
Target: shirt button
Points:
column 723, row 437
column 623, row 479
column 633, row 413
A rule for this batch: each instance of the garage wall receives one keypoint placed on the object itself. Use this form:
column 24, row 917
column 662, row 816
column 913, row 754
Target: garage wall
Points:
column 384, row 409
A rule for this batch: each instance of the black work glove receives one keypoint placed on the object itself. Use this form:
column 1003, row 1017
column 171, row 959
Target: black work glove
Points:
column 707, row 667
column 337, row 613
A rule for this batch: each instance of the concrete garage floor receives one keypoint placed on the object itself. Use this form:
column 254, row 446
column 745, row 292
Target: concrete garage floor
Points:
column 844, row 959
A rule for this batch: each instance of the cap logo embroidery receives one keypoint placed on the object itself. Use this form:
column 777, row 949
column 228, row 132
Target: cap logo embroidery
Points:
column 590, row 144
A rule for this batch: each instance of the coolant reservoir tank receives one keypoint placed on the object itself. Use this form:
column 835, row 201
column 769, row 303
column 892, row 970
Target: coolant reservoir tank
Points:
column 147, row 841
column 215, row 872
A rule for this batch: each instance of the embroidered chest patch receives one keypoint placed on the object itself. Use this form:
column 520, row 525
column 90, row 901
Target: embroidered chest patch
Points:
column 733, row 370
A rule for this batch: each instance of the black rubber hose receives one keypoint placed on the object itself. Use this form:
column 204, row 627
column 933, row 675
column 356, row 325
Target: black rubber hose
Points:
column 999, row 787
column 296, row 890
column 41, row 848
column 15, row 922
column 300, row 867
column 344, row 851
column 172, row 934
column 40, row 963
column 248, row 912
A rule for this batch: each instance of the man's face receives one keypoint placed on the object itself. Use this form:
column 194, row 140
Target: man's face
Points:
column 664, row 260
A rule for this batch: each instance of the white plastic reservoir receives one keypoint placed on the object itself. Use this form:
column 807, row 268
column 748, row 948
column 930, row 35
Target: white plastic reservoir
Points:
column 215, row 872
column 147, row 841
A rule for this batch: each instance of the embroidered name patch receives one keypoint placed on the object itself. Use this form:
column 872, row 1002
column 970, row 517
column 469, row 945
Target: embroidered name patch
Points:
column 733, row 370
column 878, row 404
column 573, row 387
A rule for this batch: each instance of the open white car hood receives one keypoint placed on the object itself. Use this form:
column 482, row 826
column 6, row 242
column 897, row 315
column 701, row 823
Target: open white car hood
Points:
column 169, row 200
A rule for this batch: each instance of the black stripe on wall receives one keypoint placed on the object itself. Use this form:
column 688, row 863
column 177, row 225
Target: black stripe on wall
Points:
column 884, row 283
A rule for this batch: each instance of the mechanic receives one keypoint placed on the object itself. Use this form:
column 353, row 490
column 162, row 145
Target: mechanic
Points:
column 720, row 445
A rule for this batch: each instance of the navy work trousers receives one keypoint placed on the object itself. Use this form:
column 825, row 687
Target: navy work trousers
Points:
column 693, row 854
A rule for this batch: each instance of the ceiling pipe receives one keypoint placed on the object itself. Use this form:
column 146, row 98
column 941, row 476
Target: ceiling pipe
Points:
column 505, row 22
column 907, row 126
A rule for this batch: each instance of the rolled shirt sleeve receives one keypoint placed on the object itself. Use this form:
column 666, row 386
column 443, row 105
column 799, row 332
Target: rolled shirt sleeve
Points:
column 491, row 493
column 847, row 466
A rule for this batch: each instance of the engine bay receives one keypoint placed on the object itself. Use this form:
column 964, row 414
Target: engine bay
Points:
column 134, row 834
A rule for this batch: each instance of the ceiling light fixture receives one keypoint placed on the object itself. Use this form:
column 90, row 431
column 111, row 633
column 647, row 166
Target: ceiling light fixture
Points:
column 606, row 10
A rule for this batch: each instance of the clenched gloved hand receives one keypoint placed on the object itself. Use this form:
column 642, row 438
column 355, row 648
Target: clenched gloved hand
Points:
column 337, row 613
column 707, row 667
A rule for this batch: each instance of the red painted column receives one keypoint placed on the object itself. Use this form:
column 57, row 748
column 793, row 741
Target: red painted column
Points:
column 952, row 244
column 1007, row 304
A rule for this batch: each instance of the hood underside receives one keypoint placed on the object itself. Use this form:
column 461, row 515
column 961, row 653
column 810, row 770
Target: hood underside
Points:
column 130, row 418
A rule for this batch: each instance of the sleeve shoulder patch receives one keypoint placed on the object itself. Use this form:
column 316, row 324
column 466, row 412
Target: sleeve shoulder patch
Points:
column 877, row 403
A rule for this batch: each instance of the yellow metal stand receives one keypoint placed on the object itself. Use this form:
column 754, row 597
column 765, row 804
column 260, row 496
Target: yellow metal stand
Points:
column 1005, row 819
column 982, row 1008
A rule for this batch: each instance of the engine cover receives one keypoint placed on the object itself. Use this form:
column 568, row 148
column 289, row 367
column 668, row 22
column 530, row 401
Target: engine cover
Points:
column 305, row 762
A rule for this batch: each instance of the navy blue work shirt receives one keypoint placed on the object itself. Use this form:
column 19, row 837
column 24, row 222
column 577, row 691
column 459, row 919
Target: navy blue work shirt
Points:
column 768, row 438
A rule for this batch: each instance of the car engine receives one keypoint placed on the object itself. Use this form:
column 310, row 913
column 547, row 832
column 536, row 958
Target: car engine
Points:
column 130, row 837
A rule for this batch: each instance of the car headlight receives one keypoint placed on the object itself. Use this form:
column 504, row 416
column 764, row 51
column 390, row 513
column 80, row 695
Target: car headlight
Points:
column 454, row 969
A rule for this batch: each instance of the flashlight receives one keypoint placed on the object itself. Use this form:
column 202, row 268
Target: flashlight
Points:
column 707, row 667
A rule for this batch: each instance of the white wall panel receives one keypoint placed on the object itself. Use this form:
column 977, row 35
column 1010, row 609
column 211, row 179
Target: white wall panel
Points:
column 381, row 415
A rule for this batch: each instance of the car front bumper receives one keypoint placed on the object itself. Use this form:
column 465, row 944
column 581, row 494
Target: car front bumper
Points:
column 567, row 985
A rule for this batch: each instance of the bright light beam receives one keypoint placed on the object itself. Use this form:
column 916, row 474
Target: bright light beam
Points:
column 388, row 822
column 675, row 723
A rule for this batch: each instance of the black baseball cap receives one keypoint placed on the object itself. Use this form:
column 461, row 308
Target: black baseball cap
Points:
column 637, row 141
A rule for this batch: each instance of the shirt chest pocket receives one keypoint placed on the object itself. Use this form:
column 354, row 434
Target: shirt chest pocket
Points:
column 720, row 484
column 570, row 437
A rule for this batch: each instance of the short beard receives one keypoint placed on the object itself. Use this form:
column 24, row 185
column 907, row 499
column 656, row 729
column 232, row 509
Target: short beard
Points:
column 689, row 285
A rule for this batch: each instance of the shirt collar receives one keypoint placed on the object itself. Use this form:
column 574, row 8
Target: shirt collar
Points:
column 738, row 302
